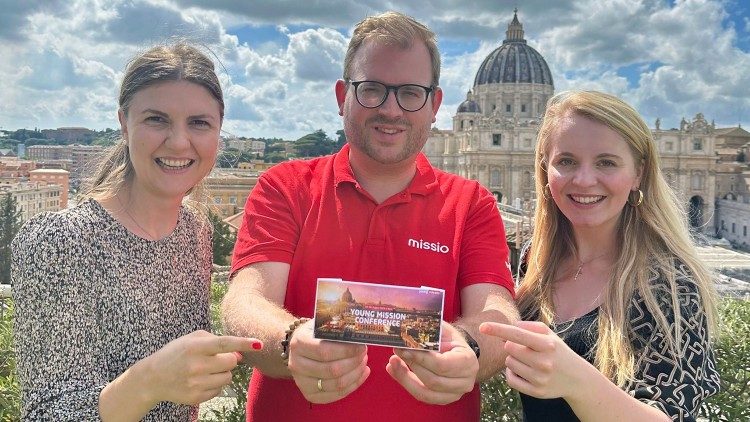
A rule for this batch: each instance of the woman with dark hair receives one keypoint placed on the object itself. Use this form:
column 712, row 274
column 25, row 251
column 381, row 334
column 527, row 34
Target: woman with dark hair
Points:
column 619, row 312
column 111, row 296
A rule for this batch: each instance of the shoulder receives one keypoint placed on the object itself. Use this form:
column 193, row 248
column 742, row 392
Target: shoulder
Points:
column 294, row 171
column 61, row 227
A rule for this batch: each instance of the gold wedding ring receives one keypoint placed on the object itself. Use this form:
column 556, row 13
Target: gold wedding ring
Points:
column 320, row 385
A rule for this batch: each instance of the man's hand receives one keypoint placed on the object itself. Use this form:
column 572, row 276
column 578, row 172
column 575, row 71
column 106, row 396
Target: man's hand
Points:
column 437, row 378
column 325, row 371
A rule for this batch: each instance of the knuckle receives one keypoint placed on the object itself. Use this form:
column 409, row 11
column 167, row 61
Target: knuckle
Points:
column 341, row 384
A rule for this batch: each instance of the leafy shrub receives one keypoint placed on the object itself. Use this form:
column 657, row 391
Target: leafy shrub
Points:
column 732, row 403
column 10, row 391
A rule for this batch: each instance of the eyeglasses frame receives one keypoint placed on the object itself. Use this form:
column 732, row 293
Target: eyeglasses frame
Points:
column 388, row 88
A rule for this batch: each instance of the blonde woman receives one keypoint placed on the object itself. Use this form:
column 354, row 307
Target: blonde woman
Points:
column 112, row 295
column 618, row 310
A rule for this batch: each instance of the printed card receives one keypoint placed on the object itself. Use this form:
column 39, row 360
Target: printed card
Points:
column 378, row 314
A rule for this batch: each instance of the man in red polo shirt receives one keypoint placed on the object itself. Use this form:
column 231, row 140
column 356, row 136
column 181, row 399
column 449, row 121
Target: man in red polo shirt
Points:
column 377, row 212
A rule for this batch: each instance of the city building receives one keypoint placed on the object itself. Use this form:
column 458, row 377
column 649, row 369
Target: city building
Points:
column 494, row 135
column 53, row 177
column 34, row 197
column 82, row 158
column 228, row 190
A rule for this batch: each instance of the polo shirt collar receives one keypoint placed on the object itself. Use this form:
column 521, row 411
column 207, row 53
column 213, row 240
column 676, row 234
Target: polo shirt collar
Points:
column 424, row 181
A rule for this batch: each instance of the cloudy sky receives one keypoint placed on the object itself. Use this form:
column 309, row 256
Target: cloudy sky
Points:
column 62, row 61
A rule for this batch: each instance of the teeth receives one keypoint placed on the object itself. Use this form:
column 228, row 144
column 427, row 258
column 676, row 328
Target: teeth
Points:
column 175, row 163
column 587, row 199
column 388, row 131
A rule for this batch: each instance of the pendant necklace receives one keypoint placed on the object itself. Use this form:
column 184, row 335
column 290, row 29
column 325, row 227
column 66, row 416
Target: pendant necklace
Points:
column 148, row 235
column 579, row 271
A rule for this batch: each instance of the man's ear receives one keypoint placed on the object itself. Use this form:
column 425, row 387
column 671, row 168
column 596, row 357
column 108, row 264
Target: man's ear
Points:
column 437, row 99
column 340, row 88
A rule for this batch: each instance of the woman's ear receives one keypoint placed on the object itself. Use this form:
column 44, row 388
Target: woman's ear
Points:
column 123, row 124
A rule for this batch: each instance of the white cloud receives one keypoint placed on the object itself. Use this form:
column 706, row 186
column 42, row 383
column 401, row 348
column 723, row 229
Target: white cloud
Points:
column 668, row 60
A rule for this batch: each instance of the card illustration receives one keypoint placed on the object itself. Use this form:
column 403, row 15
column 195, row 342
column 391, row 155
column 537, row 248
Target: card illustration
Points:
column 378, row 314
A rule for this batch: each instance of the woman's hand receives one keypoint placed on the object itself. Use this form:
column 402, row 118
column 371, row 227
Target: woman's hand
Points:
column 195, row 367
column 539, row 363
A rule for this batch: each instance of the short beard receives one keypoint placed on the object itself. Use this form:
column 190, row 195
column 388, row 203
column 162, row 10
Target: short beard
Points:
column 416, row 137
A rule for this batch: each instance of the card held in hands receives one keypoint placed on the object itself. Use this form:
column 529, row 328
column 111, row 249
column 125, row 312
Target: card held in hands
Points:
column 378, row 314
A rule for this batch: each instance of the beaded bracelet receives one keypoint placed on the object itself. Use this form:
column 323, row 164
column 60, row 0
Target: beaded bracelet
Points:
column 288, row 336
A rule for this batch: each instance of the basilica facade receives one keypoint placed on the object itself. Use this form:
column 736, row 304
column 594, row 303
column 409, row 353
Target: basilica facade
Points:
column 495, row 128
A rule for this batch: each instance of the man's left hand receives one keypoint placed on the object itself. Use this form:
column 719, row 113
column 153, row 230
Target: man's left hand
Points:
column 437, row 378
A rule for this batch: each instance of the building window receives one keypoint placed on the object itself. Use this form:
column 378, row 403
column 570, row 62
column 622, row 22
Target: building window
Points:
column 668, row 146
column 732, row 228
column 233, row 200
column 217, row 200
column 744, row 231
column 526, row 179
column 495, row 178
column 527, row 142
column 507, row 108
column 697, row 181
column 497, row 139
column 523, row 108
column 697, row 144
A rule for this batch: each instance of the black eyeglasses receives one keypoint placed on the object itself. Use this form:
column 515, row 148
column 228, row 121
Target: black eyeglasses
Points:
column 410, row 97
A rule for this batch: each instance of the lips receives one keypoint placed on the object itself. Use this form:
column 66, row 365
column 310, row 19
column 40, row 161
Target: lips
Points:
column 388, row 131
column 174, row 164
column 586, row 199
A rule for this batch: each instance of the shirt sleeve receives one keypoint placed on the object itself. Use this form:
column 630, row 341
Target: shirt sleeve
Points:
column 270, row 228
column 485, row 257
column 675, row 386
column 59, row 357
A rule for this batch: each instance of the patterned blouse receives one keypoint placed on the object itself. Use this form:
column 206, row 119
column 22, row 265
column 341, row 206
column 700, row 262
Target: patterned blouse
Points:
column 677, row 388
column 92, row 299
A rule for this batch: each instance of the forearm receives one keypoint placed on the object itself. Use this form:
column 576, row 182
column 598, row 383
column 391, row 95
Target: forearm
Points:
column 127, row 397
column 247, row 313
column 596, row 398
column 498, row 308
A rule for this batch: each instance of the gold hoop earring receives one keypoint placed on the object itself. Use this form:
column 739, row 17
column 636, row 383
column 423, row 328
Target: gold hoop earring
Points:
column 636, row 203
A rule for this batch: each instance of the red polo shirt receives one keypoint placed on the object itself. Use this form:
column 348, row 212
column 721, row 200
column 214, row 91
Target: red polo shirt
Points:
column 441, row 231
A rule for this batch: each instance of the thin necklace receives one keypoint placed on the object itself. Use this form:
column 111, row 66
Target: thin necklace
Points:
column 579, row 271
column 148, row 235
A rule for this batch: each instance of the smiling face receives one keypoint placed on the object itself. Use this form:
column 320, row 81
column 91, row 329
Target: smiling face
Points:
column 591, row 172
column 172, row 130
column 388, row 134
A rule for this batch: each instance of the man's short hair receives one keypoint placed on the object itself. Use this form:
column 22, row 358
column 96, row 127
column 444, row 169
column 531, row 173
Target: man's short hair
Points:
column 393, row 28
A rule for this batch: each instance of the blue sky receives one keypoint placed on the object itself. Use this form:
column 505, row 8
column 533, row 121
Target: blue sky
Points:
column 279, row 59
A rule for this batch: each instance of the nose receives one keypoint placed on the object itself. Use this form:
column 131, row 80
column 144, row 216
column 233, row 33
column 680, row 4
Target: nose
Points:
column 178, row 137
column 585, row 176
column 390, row 107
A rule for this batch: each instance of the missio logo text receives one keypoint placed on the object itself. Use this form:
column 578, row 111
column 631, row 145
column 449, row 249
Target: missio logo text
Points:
column 428, row 246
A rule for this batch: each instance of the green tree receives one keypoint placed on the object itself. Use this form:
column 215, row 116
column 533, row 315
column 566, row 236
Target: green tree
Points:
column 341, row 141
column 10, row 223
column 223, row 240
column 314, row 144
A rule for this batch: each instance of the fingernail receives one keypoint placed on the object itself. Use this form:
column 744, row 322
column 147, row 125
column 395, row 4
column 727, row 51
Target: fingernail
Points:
column 257, row 345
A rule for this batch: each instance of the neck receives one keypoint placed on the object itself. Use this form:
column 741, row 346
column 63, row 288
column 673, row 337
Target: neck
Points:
column 380, row 180
column 146, row 215
column 594, row 243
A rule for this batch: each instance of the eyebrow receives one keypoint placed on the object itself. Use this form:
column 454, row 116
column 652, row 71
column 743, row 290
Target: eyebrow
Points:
column 163, row 114
column 604, row 155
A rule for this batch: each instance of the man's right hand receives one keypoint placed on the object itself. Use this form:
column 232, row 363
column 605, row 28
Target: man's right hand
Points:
column 325, row 371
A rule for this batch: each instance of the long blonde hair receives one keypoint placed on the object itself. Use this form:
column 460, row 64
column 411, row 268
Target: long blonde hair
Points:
column 654, row 236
